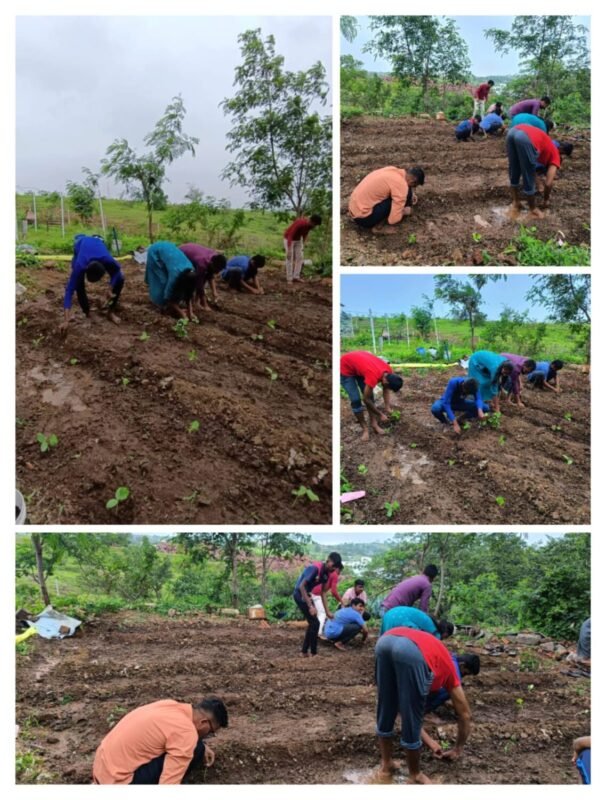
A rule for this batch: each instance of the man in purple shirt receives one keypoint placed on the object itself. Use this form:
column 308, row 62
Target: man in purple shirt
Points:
column 208, row 264
column 512, row 385
column 532, row 106
column 409, row 591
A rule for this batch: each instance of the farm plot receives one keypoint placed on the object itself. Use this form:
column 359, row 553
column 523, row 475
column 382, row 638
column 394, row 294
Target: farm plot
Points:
column 460, row 218
column 533, row 469
column 526, row 712
column 219, row 426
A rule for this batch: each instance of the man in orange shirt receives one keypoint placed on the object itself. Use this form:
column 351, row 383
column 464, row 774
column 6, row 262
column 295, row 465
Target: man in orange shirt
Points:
column 159, row 742
column 385, row 194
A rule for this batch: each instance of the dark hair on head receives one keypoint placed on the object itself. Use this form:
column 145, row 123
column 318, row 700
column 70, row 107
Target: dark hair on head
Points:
column 336, row 559
column 216, row 708
column 549, row 125
column 316, row 219
column 258, row 261
column 530, row 364
column 491, row 82
column 217, row 263
column 566, row 148
column 419, row 174
column 365, row 616
column 94, row 271
column 471, row 661
column 546, row 99
column 477, row 118
column 359, row 582
column 470, row 386
column 430, row 571
column 498, row 104
column 357, row 601
column 445, row 628
column 557, row 364
column 506, row 366
column 185, row 285
column 394, row 382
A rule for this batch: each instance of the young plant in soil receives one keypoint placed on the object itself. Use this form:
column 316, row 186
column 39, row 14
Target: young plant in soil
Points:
column 194, row 426
column 567, row 459
column 192, row 356
column 271, row 324
column 501, row 440
column 362, row 469
column 180, row 328
column 494, row 420
column 500, row 501
column 121, row 494
column 273, row 377
column 47, row 442
column 125, row 381
column 395, row 415
column 568, row 416
column 346, row 486
column 303, row 491
column 73, row 362
column 144, row 336
column 391, row 508
column 477, row 237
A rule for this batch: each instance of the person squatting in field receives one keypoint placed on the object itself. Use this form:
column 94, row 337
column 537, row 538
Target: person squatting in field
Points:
column 409, row 665
column 207, row 264
column 347, row 623
column 360, row 373
column 90, row 262
column 465, row 130
column 385, row 195
column 295, row 237
column 159, row 743
column 323, row 589
column 314, row 575
column 546, row 375
column 240, row 273
column 408, row 591
column 171, row 279
column 461, row 394
column 512, row 384
column 489, row 370
column 492, row 125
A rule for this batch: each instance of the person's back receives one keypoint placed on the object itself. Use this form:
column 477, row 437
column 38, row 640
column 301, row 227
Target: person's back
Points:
column 408, row 617
column 408, row 591
column 529, row 119
column 344, row 616
column 376, row 186
column 491, row 121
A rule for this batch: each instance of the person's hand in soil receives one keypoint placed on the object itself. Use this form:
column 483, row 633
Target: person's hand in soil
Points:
column 456, row 428
column 451, row 755
column 209, row 756
column 383, row 417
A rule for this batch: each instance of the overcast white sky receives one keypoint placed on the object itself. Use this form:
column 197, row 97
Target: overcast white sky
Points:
column 84, row 81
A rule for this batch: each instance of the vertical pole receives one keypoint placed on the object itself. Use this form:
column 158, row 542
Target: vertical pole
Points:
column 101, row 211
column 372, row 331
column 35, row 213
column 407, row 334
column 388, row 334
column 435, row 324
column 62, row 218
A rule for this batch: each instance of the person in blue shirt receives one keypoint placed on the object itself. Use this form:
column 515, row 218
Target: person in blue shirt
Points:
column 241, row 273
column 171, row 279
column 467, row 664
column 544, row 125
column 90, row 262
column 492, row 124
column 411, row 617
column 581, row 758
column 466, row 129
column 347, row 623
column 545, row 375
column 314, row 575
column 457, row 397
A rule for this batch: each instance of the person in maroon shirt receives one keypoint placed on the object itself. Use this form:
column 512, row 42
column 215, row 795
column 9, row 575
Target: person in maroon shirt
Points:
column 294, row 239
column 360, row 373
column 480, row 95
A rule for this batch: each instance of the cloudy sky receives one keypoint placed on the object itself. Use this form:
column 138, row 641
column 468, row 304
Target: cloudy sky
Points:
column 84, row 81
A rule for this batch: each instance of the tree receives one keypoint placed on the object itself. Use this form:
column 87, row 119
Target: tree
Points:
column 144, row 175
column 464, row 299
column 568, row 299
column 275, row 546
column 514, row 332
column 229, row 547
column 422, row 49
column 81, row 199
column 422, row 319
column 349, row 27
column 282, row 148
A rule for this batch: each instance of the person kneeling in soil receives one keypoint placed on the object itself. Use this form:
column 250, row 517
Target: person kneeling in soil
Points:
column 295, row 237
column 207, row 264
column 241, row 273
column 492, row 125
column 90, row 262
column 465, row 130
column 457, row 398
column 314, row 575
column 527, row 149
column 410, row 617
column 171, row 279
column 385, row 195
column 512, row 385
column 347, row 623
column 159, row 743
column 410, row 664
column 360, row 373
column 545, row 375
column 490, row 370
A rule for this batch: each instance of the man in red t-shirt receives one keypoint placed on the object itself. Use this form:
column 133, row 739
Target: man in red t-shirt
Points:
column 480, row 95
column 530, row 149
column 294, row 239
column 360, row 373
column 409, row 664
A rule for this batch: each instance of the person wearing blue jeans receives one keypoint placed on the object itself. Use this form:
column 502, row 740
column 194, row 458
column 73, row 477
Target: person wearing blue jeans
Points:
column 462, row 394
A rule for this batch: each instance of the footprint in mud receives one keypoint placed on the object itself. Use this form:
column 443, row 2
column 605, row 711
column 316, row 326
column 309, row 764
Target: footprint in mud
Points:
column 63, row 393
column 404, row 465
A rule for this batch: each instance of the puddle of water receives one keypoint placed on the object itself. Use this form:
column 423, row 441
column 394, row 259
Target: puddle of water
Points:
column 371, row 776
column 404, row 465
column 501, row 215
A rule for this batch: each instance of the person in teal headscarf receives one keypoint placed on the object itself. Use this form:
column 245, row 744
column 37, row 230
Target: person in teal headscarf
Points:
column 171, row 278
column 489, row 370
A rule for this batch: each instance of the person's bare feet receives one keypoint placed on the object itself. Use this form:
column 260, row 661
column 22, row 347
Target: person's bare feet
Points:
column 420, row 778
column 536, row 213
column 365, row 435
column 387, row 230
column 514, row 212
column 113, row 317
column 379, row 431
column 340, row 646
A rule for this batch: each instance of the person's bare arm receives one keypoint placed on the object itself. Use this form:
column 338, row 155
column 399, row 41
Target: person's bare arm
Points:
column 580, row 744
column 369, row 402
column 213, row 289
column 431, row 743
column 329, row 613
column 174, row 306
column 65, row 324
column 463, row 712
column 308, row 600
column 549, row 179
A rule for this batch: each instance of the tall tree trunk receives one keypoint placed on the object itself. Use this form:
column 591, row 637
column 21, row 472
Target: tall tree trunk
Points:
column 234, row 570
column 37, row 542
column 149, row 223
column 442, row 576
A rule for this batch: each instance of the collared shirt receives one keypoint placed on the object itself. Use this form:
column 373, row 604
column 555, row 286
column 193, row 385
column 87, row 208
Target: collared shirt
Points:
column 482, row 91
column 378, row 186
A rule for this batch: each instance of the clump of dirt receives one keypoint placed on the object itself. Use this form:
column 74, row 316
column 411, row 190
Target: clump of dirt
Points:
column 121, row 400
column 461, row 216
column 292, row 720
column 537, row 461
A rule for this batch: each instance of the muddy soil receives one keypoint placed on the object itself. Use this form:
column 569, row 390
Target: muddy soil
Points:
column 440, row 478
column 292, row 720
column 463, row 181
column 122, row 407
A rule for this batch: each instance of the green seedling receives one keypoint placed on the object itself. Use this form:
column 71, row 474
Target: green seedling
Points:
column 194, row 426
column 73, row 362
column 20, row 422
column 67, row 698
column 486, row 258
column 144, row 336
column 257, row 337
column 519, row 703
column 395, row 416
column 391, row 508
column 501, row 440
column 46, row 442
column 346, row 486
column 362, row 469
column 412, row 445
column 556, row 428
column 451, row 462
column 180, row 328
column 115, row 715
column 412, row 238
column 466, row 426
column 346, row 514
column 122, row 493
column 37, row 340
column 500, row 501
column 477, row 237
column 192, row 497
column 568, row 416
column 22, row 321
column 494, row 420
column 303, row 491
column 567, row 459
column 272, row 324
column 273, row 376
column 125, row 382
column 530, row 687
column 192, row 355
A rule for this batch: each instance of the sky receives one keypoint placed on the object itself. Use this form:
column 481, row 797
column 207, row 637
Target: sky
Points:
column 484, row 61
column 394, row 294
column 84, row 81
